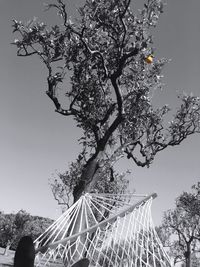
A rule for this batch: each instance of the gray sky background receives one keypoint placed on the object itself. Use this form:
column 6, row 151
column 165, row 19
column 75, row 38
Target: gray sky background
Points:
column 35, row 141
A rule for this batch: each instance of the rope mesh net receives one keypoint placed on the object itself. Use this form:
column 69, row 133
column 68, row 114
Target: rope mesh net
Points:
column 109, row 230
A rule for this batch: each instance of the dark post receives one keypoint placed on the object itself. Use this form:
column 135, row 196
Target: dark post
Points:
column 25, row 253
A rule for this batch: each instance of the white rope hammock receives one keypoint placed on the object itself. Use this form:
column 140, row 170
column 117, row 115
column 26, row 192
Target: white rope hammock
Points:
column 108, row 229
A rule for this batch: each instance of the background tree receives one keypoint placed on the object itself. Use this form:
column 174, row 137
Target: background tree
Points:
column 180, row 229
column 14, row 226
column 104, row 65
column 36, row 226
column 7, row 231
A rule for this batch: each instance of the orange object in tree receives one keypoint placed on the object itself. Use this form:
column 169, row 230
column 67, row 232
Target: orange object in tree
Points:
column 149, row 59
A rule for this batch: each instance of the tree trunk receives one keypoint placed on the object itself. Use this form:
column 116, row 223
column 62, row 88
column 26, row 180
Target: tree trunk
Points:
column 88, row 176
column 188, row 256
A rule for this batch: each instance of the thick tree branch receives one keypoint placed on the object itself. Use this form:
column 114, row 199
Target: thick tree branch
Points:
column 118, row 119
column 108, row 113
column 94, row 53
column 180, row 233
column 52, row 82
column 137, row 162
column 26, row 54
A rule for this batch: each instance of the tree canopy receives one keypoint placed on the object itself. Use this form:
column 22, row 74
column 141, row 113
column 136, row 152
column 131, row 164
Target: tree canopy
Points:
column 180, row 229
column 106, row 64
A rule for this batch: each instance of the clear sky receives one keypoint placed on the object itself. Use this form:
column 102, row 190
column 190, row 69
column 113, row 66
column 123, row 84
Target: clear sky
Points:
column 35, row 141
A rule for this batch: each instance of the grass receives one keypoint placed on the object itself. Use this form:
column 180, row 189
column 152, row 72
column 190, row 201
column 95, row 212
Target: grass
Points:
column 6, row 260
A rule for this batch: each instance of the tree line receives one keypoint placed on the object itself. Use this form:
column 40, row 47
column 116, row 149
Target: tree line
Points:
column 14, row 226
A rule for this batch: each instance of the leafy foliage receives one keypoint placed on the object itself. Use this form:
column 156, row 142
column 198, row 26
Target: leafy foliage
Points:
column 102, row 55
column 14, row 226
column 108, row 181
